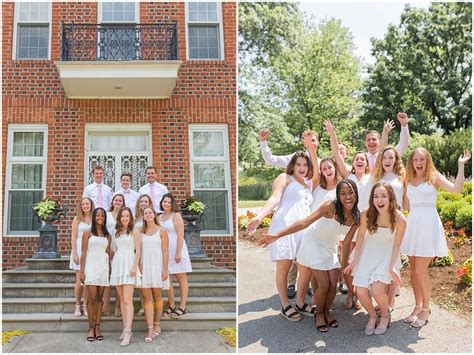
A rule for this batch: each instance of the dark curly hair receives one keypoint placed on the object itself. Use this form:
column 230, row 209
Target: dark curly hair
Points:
column 340, row 208
column 94, row 225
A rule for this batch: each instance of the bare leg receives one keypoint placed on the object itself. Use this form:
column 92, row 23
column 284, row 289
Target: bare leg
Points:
column 302, row 283
column 98, row 310
column 106, row 301
column 92, row 306
column 170, row 293
column 424, row 282
column 119, row 292
column 416, row 291
column 147, row 297
column 392, row 289
column 158, row 307
column 282, row 269
column 366, row 301
column 320, row 296
column 183, row 289
column 78, row 289
column 127, row 312
column 314, row 286
column 118, row 307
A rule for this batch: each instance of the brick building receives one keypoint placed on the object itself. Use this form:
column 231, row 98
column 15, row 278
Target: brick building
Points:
column 124, row 85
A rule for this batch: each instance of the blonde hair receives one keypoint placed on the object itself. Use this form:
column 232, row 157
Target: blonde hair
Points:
column 145, row 224
column 138, row 210
column 80, row 213
column 398, row 168
column 430, row 172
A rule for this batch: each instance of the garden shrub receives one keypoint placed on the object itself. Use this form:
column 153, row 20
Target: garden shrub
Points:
column 464, row 218
column 467, row 190
column 449, row 196
column 265, row 222
column 448, row 210
column 444, row 261
column 465, row 272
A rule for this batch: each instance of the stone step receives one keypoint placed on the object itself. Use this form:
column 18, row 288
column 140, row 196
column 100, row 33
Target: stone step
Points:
column 66, row 305
column 196, row 289
column 63, row 263
column 61, row 322
column 23, row 274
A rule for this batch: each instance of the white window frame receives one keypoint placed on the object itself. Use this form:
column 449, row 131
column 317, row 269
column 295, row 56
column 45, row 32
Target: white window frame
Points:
column 225, row 160
column 15, row 31
column 13, row 128
column 219, row 22
column 115, row 128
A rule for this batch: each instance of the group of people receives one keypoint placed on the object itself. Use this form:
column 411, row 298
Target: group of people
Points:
column 129, row 240
column 336, row 220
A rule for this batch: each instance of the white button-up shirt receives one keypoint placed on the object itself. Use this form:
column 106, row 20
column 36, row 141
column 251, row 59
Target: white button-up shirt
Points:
column 280, row 161
column 92, row 191
column 160, row 190
column 401, row 147
column 131, row 198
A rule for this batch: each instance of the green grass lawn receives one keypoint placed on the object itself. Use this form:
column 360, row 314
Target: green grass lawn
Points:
column 250, row 204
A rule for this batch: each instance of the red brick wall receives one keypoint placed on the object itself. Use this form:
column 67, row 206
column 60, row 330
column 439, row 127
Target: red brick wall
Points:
column 205, row 93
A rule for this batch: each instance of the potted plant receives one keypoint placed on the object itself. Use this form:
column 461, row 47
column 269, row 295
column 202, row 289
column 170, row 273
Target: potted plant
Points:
column 49, row 210
column 192, row 209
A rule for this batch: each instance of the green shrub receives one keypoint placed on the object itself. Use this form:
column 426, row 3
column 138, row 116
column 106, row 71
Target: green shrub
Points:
column 468, row 199
column 444, row 261
column 464, row 218
column 449, row 209
column 449, row 196
column 258, row 191
column 467, row 190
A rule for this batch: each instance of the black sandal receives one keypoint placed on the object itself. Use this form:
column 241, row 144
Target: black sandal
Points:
column 168, row 311
column 98, row 337
column 178, row 313
column 290, row 313
column 334, row 323
column 323, row 328
column 304, row 309
column 91, row 338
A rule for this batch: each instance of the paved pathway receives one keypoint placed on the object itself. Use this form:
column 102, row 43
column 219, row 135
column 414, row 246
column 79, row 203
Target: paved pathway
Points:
column 167, row 342
column 262, row 329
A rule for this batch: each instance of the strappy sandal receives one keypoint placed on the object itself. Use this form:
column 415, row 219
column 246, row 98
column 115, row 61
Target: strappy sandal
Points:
column 323, row 328
column 98, row 337
column 419, row 323
column 178, row 313
column 168, row 311
column 155, row 332
column 290, row 313
column 91, row 337
column 149, row 339
column 412, row 317
column 334, row 323
column 304, row 309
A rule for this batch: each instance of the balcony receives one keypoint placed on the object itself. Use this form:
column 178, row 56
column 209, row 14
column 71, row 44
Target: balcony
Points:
column 119, row 61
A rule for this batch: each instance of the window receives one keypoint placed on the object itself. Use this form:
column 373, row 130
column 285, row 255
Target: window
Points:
column 118, row 149
column 118, row 38
column 26, row 177
column 204, row 30
column 32, row 29
column 210, row 176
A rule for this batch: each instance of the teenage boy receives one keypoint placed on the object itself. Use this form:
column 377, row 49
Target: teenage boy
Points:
column 154, row 189
column 98, row 192
column 130, row 195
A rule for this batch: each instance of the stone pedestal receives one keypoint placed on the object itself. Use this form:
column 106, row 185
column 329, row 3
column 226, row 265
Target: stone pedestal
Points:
column 48, row 243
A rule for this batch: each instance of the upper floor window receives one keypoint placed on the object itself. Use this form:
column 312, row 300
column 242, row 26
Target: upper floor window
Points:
column 119, row 12
column 32, row 29
column 204, row 24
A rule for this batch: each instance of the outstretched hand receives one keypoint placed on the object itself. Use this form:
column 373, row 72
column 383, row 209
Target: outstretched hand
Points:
column 310, row 141
column 388, row 125
column 329, row 127
column 348, row 269
column 464, row 158
column 396, row 277
column 252, row 226
column 267, row 239
column 264, row 134
column 402, row 118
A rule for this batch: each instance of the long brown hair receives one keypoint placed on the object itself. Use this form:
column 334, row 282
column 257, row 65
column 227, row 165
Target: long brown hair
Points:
column 138, row 210
column 398, row 168
column 119, row 225
column 373, row 213
column 323, row 182
column 290, row 168
column 144, row 226
column 174, row 204
column 111, row 208
column 80, row 213
column 367, row 170
column 430, row 172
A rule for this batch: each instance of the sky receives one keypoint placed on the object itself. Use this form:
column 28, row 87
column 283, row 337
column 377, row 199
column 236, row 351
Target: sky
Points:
column 364, row 19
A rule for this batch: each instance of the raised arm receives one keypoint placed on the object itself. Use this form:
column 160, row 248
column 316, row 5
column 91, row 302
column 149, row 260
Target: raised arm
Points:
column 359, row 243
column 278, row 186
column 457, row 187
column 164, row 251
column 138, row 248
column 404, row 133
column 325, row 210
column 74, row 231
column 341, row 165
column 275, row 160
column 312, row 149
column 400, row 227
column 388, row 125
column 179, row 227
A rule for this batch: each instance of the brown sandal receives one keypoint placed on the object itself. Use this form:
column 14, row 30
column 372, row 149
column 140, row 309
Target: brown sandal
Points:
column 323, row 328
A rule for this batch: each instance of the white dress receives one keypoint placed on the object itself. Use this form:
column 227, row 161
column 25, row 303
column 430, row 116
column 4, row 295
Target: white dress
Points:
column 319, row 245
column 294, row 205
column 185, row 263
column 320, row 196
column 111, row 229
column 362, row 190
column 375, row 258
column 81, row 228
column 139, row 223
column 97, row 262
column 123, row 262
column 152, row 262
column 397, row 185
column 424, row 235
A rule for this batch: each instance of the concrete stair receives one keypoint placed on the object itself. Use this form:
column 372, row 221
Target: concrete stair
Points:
column 40, row 297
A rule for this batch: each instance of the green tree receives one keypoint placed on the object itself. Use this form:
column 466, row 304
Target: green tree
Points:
column 423, row 66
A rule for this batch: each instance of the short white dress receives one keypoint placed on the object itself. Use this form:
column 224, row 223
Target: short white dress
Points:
column 320, row 196
column 294, row 205
column 375, row 258
column 362, row 190
column 97, row 262
column 424, row 235
column 122, row 262
column 319, row 245
column 111, row 223
column 139, row 223
column 151, row 258
column 81, row 228
column 185, row 263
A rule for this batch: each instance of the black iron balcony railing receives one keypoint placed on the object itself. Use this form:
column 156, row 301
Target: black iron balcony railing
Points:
column 119, row 42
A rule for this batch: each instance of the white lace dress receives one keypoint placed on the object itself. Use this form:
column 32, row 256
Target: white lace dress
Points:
column 81, row 228
column 152, row 262
column 123, row 262
column 97, row 262
column 184, row 265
